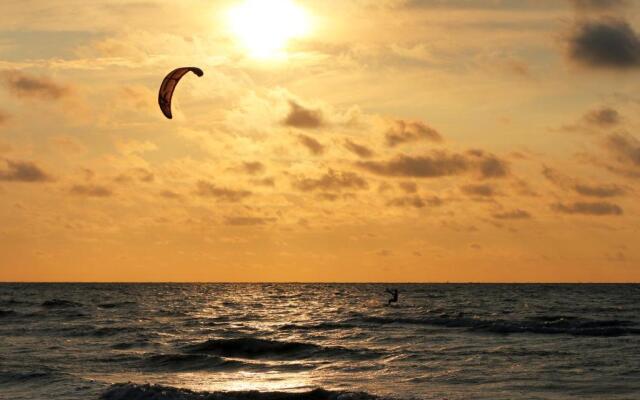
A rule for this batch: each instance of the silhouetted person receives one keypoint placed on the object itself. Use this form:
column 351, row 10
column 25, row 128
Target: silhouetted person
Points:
column 394, row 294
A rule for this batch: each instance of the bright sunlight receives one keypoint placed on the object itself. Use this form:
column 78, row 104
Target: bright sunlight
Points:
column 264, row 27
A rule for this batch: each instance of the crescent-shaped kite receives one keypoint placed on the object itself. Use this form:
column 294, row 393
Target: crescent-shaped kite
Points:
column 169, row 84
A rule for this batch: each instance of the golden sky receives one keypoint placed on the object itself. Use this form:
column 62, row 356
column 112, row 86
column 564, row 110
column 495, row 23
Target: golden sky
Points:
column 337, row 140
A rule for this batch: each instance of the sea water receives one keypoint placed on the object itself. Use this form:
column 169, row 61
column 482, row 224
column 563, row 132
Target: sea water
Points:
column 318, row 341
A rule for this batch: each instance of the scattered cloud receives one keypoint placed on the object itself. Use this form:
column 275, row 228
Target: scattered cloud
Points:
column 303, row 118
column 606, row 43
column 480, row 190
column 599, row 190
column 332, row 181
column 136, row 174
column 515, row 214
column 248, row 221
column 91, row 191
column 253, row 167
column 597, row 5
column 410, row 131
column 415, row 201
column 409, row 187
column 596, row 208
column 438, row 164
column 604, row 117
column 208, row 189
column 23, row 171
column 625, row 148
column 358, row 149
column 315, row 147
column 24, row 85
column 169, row 194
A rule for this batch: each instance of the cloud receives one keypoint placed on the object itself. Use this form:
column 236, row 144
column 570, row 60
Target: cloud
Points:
column 481, row 190
column 597, row 5
column 4, row 117
column 269, row 181
column 136, row 174
column 415, row 201
column 253, row 168
column 30, row 86
column 596, row 208
column 358, row 149
column 207, row 189
column 410, row 131
column 515, row 214
column 607, row 43
column 23, row 171
column 169, row 194
column 248, row 221
column 625, row 148
column 91, row 191
column 304, row 118
column 439, row 164
column 604, row 117
column 409, row 187
column 599, row 190
column 315, row 147
column 332, row 181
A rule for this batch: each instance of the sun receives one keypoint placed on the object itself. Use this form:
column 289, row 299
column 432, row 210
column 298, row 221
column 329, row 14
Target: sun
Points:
column 264, row 27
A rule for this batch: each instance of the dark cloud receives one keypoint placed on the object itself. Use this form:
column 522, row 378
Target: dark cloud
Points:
column 625, row 148
column 248, row 221
column 596, row 208
column 599, row 190
column 304, row 118
column 91, row 191
column 24, row 85
column 264, row 182
column 515, row 214
column 253, row 167
column 438, row 164
column 208, row 189
column 410, row 131
column 358, row 149
column 607, row 43
column 481, row 190
column 409, row 187
column 415, row 201
column 604, row 117
column 332, row 181
column 168, row 194
column 23, row 171
column 493, row 167
column 597, row 5
column 136, row 174
column 315, row 147
column 4, row 117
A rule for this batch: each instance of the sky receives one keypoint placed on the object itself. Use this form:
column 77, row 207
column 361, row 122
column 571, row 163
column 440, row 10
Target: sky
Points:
column 342, row 140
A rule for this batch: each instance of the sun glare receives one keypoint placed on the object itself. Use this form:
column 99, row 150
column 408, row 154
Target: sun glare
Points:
column 264, row 27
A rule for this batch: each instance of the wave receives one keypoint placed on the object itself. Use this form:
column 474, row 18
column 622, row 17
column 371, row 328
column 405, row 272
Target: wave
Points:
column 254, row 348
column 58, row 303
column 7, row 313
column 116, row 304
column 130, row 391
column 322, row 326
column 190, row 362
column 550, row 325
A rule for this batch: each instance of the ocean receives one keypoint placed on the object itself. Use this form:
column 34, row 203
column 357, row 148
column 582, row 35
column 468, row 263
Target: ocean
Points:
column 319, row 341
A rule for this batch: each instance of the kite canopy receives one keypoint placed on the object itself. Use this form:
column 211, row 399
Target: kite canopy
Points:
column 169, row 85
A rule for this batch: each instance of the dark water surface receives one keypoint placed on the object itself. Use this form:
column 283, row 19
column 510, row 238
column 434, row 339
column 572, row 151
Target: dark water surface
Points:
column 318, row 341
